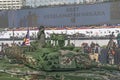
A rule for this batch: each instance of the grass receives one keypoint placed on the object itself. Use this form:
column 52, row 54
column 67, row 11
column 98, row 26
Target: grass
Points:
column 4, row 76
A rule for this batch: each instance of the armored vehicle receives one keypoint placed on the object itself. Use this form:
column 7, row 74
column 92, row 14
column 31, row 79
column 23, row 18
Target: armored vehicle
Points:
column 60, row 61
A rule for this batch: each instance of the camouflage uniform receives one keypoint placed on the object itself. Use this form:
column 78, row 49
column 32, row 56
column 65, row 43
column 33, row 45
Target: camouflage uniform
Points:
column 118, row 40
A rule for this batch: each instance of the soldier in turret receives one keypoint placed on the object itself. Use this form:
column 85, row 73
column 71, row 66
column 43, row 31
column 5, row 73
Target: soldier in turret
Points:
column 41, row 37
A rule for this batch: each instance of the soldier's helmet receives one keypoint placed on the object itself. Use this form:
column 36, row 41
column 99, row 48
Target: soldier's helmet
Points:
column 41, row 27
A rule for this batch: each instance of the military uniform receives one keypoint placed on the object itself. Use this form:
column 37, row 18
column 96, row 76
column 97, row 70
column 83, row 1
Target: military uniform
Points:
column 118, row 40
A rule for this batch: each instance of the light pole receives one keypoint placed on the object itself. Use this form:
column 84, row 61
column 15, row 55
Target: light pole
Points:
column 74, row 20
column 13, row 22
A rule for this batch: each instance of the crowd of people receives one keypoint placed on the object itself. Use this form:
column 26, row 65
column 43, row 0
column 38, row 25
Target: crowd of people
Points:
column 94, row 49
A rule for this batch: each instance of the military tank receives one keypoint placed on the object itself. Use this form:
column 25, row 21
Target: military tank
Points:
column 60, row 61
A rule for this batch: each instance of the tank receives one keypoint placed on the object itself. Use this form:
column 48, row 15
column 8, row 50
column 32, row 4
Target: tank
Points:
column 60, row 61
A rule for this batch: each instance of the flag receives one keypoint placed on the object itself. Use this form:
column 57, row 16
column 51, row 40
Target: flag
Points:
column 26, row 40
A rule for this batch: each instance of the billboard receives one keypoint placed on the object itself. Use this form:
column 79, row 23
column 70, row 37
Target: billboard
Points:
column 72, row 15
column 76, row 15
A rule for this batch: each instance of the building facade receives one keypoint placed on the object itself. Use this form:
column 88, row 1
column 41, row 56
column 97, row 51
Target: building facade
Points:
column 18, row 4
column 35, row 3
column 11, row 4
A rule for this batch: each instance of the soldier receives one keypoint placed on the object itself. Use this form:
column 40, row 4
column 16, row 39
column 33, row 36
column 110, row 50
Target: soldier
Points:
column 118, row 40
column 41, row 37
column 111, row 54
column 111, row 49
column 111, row 43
